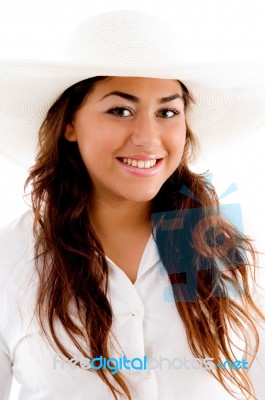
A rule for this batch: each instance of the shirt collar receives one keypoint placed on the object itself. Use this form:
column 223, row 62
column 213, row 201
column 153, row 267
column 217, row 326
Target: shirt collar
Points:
column 150, row 258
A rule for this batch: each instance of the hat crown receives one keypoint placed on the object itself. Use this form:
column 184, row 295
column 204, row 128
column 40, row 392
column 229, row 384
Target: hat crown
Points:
column 124, row 38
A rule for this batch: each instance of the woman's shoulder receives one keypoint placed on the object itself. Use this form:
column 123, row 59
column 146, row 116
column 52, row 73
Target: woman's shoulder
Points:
column 19, row 223
column 16, row 242
column 16, row 228
column 17, row 275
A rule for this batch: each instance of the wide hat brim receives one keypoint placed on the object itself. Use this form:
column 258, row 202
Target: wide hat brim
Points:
column 229, row 99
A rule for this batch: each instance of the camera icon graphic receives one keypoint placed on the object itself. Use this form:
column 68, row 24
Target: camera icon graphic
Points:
column 197, row 246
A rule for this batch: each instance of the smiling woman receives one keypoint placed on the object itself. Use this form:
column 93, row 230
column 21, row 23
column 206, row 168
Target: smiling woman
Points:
column 115, row 261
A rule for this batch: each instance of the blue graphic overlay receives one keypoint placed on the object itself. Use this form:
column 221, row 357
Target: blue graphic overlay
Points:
column 198, row 244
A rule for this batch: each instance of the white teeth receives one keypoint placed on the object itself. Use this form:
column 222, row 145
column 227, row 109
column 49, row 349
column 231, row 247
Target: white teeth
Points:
column 147, row 164
column 139, row 163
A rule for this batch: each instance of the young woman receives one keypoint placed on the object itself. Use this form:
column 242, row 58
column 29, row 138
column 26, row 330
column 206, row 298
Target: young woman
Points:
column 118, row 284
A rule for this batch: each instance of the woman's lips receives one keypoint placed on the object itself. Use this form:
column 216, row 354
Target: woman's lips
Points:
column 140, row 169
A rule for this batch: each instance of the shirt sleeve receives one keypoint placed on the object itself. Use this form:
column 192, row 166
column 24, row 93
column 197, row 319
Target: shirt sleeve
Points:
column 5, row 361
column 5, row 371
column 256, row 371
column 15, row 240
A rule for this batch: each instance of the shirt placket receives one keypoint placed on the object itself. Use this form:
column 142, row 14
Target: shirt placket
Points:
column 128, row 329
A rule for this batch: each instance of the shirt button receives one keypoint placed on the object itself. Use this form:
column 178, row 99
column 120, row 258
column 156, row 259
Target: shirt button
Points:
column 137, row 312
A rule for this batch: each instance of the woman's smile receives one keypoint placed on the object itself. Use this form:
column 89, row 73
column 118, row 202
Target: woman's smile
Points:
column 140, row 167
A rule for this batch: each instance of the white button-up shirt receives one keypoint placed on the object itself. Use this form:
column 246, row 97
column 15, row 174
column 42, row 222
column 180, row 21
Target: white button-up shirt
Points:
column 144, row 325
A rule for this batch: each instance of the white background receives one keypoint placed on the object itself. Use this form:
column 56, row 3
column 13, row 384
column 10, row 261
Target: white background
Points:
column 226, row 31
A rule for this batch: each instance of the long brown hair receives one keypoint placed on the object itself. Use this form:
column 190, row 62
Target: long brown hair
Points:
column 72, row 266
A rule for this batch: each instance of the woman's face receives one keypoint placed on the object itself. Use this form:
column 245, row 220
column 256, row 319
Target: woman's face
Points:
column 131, row 135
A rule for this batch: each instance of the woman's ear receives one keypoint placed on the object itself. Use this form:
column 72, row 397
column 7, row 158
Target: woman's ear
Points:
column 69, row 133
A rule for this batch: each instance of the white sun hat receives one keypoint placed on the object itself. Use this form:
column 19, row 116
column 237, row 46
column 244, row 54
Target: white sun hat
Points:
column 230, row 98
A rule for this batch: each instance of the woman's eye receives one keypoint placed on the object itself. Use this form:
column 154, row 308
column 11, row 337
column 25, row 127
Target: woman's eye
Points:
column 124, row 112
column 120, row 111
column 169, row 112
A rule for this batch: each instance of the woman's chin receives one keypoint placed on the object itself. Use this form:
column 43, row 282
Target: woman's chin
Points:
column 141, row 196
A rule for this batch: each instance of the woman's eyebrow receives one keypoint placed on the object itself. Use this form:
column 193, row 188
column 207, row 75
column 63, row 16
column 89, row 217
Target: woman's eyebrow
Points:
column 135, row 99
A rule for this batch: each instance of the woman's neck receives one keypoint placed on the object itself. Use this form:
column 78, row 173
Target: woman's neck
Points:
column 122, row 218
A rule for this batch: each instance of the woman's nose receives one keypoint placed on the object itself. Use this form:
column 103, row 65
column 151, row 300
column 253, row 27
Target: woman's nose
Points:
column 145, row 131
